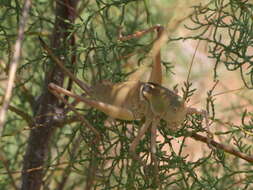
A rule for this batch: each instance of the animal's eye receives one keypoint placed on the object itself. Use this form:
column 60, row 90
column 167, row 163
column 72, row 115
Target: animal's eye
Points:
column 148, row 87
column 147, row 90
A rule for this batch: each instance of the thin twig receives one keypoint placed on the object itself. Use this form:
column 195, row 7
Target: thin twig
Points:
column 67, row 171
column 223, row 147
column 9, row 173
column 189, row 72
column 23, row 115
column 14, row 63
column 59, row 63
column 77, row 114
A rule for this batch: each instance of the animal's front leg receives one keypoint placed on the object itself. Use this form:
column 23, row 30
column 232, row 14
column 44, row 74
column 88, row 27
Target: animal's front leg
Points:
column 137, row 139
column 153, row 149
column 205, row 115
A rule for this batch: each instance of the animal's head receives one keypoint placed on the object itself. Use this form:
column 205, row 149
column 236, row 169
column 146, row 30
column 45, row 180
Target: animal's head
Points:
column 160, row 99
column 164, row 103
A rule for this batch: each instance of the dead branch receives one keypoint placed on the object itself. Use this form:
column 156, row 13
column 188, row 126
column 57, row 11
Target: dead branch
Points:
column 14, row 64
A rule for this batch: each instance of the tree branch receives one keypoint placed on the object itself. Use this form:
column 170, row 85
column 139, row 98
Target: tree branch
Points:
column 223, row 147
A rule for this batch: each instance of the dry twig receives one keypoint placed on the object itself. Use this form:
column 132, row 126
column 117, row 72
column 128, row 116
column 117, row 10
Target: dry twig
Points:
column 14, row 64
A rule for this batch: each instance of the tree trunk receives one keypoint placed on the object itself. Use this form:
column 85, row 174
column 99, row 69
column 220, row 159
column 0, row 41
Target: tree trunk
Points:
column 40, row 136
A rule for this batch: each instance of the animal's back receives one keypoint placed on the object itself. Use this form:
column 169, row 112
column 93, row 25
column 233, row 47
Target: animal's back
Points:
column 123, row 94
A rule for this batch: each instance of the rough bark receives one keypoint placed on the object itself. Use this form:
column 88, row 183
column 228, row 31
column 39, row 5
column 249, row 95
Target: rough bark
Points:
column 38, row 146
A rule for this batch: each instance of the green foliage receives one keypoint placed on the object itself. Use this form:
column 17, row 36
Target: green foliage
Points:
column 75, row 159
column 227, row 27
